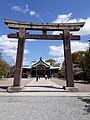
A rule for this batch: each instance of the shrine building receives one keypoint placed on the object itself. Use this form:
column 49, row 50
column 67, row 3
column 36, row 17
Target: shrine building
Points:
column 40, row 68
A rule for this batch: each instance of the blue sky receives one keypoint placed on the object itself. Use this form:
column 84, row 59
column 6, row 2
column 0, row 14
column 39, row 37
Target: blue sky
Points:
column 46, row 11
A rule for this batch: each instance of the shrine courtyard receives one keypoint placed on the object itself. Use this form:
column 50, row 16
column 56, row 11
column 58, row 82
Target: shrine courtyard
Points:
column 55, row 105
column 43, row 105
column 44, row 84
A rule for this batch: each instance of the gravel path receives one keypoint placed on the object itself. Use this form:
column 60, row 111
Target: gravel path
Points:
column 44, row 108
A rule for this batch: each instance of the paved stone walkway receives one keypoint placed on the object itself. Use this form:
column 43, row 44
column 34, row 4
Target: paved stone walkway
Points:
column 42, row 85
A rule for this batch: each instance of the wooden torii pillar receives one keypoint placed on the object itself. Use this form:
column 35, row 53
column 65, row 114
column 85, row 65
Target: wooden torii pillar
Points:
column 44, row 27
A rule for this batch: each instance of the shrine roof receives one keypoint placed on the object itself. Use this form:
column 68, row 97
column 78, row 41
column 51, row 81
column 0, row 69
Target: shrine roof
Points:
column 40, row 62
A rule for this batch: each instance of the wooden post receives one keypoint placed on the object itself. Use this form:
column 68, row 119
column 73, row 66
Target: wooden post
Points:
column 68, row 59
column 19, row 59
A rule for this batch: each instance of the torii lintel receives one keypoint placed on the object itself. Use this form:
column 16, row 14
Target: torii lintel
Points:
column 12, row 24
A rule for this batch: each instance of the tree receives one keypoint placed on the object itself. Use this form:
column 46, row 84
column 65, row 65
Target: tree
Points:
column 51, row 61
column 81, row 65
column 4, row 67
column 87, row 64
column 77, row 57
column 81, row 59
column 11, row 71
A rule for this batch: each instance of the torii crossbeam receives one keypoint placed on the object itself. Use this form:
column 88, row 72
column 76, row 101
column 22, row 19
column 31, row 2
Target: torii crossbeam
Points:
column 44, row 27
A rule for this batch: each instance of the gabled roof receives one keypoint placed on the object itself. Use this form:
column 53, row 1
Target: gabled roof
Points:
column 40, row 62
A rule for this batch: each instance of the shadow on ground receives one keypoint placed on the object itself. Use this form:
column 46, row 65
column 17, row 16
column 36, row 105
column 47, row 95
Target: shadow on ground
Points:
column 3, row 88
column 87, row 105
column 45, row 87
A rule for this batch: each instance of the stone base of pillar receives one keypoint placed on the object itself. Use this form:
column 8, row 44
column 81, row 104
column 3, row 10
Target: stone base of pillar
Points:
column 12, row 89
column 71, row 89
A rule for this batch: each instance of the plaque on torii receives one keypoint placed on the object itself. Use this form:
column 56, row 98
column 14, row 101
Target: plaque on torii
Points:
column 66, row 28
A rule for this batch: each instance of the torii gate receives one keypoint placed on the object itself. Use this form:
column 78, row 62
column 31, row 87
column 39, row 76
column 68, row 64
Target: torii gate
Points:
column 44, row 27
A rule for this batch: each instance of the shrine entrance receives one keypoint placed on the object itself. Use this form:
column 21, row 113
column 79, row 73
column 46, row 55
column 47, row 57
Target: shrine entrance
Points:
column 66, row 28
column 40, row 70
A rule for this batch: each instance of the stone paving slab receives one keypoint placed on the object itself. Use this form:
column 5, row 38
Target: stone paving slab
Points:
column 42, row 85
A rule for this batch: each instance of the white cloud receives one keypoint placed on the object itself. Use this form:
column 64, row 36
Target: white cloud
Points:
column 62, row 18
column 32, row 13
column 9, row 47
column 85, row 30
column 58, row 51
column 16, row 8
column 25, row 61
column 19, row 8
column 7, row 43
column 25, row 10
column 77, row 46
column 67, row 18
column 26, row 51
